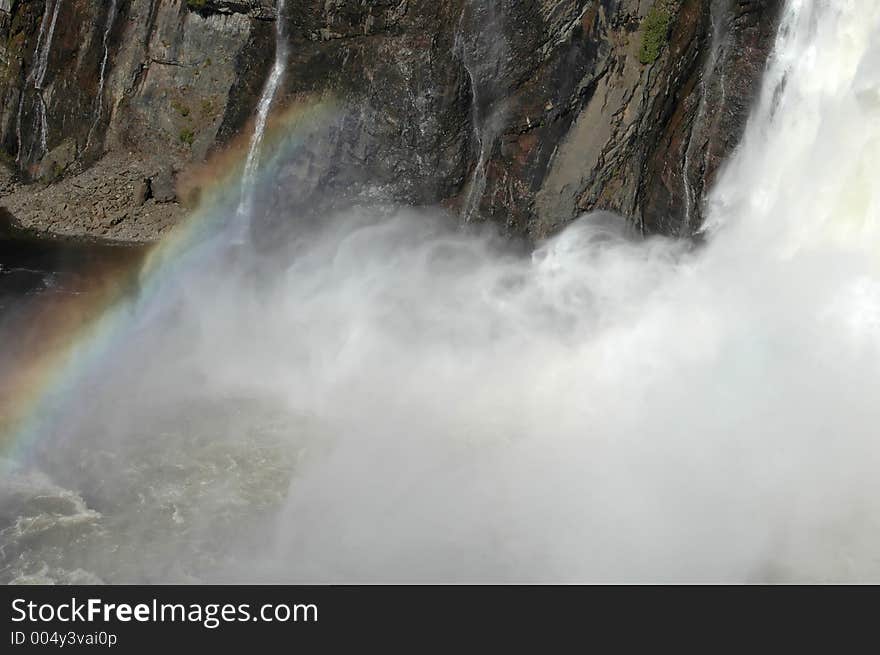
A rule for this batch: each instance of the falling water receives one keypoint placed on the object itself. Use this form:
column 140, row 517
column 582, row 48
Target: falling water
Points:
column 99, row 97
column 403, row 400
column 717, row 38
column 470, row 53
column 478, row 180
column 805, row 171
column 28, row 82
column 37, row 75
column 252, row 164
column 39, row 80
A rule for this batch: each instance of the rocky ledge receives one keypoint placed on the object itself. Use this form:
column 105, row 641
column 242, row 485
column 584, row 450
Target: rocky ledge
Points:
column 121, row 198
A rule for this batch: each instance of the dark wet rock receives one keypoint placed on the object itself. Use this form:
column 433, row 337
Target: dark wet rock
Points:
column 708, row 123
column 259, row 9
column 523, row 113
column 7, row 177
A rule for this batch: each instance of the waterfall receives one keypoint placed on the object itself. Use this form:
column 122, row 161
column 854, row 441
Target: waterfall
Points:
column 40, row 78
column 252, row 164
column 43, row 62
column 477, row 184
column 478, row 180
column 474, row 57
column 717, row 37
column 99, row 97
column 806, row 168
column 36, row 78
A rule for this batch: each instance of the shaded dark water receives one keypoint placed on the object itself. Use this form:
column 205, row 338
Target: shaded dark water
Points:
column 49, row 289
column 32, row 267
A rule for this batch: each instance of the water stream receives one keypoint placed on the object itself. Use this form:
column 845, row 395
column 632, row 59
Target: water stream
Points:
column 264, row 106
column 36, row 77
column 718, row 35
column 479, row 45
column 102, row 73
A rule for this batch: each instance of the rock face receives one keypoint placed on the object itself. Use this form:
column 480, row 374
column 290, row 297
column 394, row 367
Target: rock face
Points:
column 523, row 113
column 710, row 116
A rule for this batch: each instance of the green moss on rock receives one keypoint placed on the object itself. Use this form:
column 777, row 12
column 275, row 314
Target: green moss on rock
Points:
column 655, row 31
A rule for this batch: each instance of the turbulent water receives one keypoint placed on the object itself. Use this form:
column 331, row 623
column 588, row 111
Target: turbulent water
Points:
column 394, row 398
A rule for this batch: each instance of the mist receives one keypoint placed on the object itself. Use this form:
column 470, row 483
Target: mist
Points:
column 393, row 397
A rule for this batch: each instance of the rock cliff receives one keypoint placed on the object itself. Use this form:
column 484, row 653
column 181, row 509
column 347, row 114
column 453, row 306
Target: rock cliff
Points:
column 526, row 113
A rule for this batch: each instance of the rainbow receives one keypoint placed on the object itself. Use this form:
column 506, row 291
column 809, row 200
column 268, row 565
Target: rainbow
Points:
column 47, row 363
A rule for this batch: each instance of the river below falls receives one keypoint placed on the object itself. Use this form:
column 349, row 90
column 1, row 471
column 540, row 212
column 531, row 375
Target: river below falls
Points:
column 178, row 502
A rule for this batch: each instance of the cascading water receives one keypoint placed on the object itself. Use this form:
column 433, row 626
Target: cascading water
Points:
column 405, row 400
column 803, row 173
column 252, row 163
column 99, row 97
column 36, row 79
column 717, row 36
column 42, row 109
column 478, row 180
column 476, row 58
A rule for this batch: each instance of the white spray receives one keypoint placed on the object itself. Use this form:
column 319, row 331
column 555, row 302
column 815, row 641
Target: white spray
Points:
column 804, row 173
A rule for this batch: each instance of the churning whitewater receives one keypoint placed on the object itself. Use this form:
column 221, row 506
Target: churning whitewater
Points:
column 390, row 397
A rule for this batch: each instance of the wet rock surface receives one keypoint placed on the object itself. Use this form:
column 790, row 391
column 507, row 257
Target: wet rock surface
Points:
column 525, row 114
